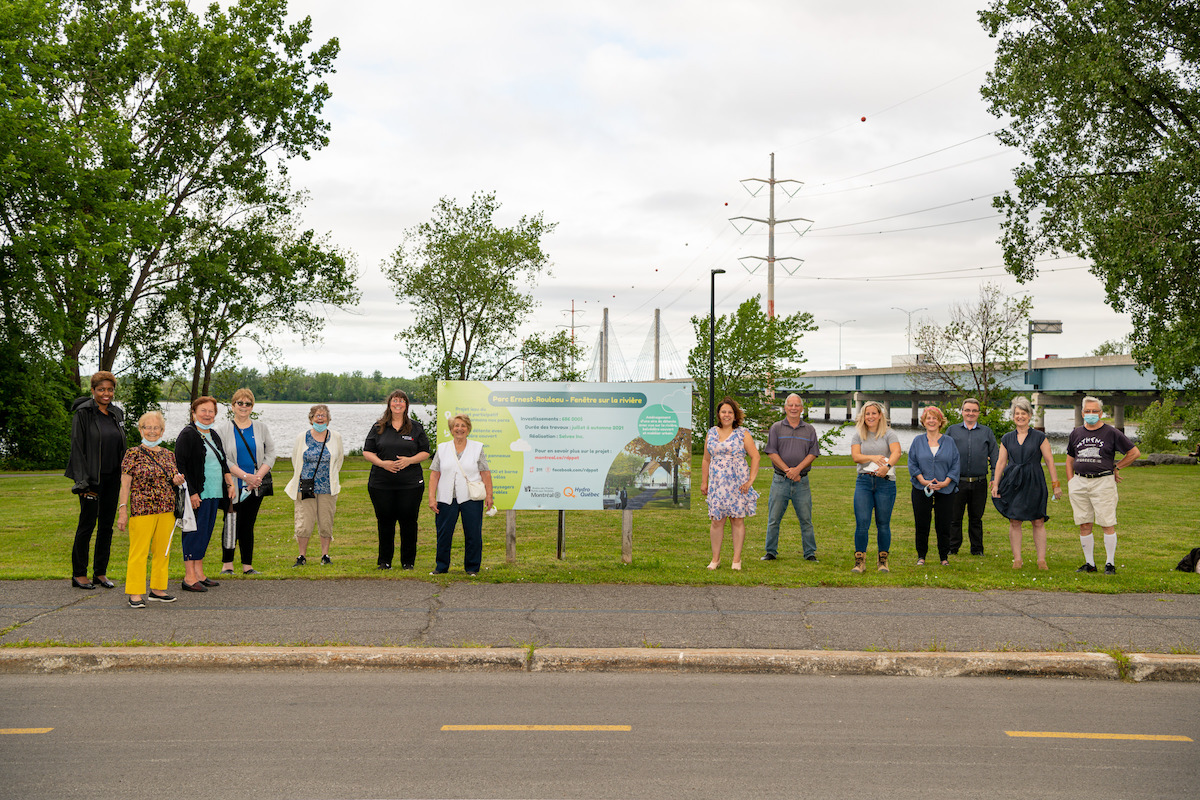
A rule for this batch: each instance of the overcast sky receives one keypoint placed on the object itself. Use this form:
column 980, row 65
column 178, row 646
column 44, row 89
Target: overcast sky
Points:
column 630, row 124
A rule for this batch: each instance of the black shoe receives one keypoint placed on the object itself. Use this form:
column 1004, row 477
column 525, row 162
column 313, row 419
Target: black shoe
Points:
column 105, row 582
column 226, row 572
column 438, row 572
column 161, row 598
column 300, row 561
column 210, row 583
column 472, row 574
column 326, row 560
column 1110, row 569
column 406, row 566
column 137, row 603
column 1086, row 567
column 976, row 553
column 810, row 558
column 953, row 552
column 768, row 557
column 251, row 571
column 383, row 566
column 78, row 585
column 193, row 587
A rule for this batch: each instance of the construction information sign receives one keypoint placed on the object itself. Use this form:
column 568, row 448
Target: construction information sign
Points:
column 578, row 446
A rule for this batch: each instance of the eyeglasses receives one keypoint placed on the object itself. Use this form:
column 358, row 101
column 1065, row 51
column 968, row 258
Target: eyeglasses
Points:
column 244, row 404
column 150, row 428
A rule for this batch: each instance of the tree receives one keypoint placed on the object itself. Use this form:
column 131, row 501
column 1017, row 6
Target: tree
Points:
column 1104, row 102
column 1112, row 347
column 249, row 279
column 972, row 354
column 754, row 354
column 121, row 119
column 470, row 284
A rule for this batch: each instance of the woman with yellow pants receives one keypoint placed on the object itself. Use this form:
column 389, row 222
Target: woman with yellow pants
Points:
column 147, row 510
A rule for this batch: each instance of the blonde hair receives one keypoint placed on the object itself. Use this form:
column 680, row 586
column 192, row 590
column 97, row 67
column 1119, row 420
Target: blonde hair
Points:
column 242, row 394
column 466, row 421
column 153, row 414
column 860, row 424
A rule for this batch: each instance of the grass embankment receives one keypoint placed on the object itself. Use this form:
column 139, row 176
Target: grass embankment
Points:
column 1159, row 507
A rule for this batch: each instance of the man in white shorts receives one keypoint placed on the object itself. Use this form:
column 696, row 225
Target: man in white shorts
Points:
column 1092, row 478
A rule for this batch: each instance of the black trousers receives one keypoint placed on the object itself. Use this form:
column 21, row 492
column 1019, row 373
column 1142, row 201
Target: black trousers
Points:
column 970, row 499
column 247, row 515
column 397, row 507
column 939, row 507
column 96, row 513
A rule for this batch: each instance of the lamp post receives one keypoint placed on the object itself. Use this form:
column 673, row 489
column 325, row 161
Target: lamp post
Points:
column 839, row 324
column 908, row 341
column 712, row 342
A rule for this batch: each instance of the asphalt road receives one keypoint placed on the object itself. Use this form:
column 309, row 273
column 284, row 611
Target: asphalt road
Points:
column 300, row 734
column 462, row 614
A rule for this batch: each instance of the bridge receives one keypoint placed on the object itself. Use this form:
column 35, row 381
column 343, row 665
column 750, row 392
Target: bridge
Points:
column 1118, row 381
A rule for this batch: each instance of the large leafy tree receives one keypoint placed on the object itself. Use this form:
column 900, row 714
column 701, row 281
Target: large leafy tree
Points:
column 1103, row 98
column 755, row 353
column 469, row 284
column 974, row 354
column 247, row 280
column 121, row 122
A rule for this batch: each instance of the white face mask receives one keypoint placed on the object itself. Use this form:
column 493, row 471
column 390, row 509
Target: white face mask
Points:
column 147, row 443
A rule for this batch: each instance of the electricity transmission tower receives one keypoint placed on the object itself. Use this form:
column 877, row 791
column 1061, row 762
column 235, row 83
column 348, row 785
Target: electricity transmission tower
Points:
column 771, row 222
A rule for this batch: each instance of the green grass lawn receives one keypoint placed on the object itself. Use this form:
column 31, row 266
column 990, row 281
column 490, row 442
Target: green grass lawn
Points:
column 1157, row 526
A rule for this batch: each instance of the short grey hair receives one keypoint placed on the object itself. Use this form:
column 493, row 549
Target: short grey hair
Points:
column 1090, row 399
column 1021, row 403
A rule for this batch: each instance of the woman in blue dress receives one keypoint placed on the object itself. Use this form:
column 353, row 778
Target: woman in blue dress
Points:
column 1019, row 488
column 727, row 482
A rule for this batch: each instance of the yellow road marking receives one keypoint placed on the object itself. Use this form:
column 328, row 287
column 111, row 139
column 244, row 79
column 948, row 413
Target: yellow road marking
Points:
column 4, row 731
column 537, row 727
column 1141, row 737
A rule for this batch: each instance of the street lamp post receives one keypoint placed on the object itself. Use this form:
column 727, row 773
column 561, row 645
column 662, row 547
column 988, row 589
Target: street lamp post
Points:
column 712, row 342
column 840, row 324
column 910, row 313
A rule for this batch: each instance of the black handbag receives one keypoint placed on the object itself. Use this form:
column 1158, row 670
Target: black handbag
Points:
column 308, row 486
column 268, row 484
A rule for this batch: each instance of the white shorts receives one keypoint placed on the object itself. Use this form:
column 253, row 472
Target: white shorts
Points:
column 1094, row 500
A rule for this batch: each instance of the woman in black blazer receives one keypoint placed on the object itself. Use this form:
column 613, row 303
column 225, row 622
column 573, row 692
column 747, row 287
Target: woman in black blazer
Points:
column 200, row 456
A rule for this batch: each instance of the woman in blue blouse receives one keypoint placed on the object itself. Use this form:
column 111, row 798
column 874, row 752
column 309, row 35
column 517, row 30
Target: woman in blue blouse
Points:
column 318, row 457
column 933, row 467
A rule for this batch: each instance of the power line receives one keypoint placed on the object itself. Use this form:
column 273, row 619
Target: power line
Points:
column 914, row 228
column 908, row 213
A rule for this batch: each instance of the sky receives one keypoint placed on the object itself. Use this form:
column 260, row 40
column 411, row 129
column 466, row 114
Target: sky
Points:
column 632, row 126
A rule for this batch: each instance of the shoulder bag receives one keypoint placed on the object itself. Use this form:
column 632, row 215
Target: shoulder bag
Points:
column 308, row 486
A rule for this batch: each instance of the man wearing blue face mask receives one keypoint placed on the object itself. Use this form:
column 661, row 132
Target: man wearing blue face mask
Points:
column 1092, row 478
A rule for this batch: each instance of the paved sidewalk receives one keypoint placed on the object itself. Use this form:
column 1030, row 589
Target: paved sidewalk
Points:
column 639, row 621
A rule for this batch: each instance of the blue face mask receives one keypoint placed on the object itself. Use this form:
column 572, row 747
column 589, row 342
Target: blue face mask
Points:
column 202, row 426
column 320, row 427
column 146, row 443
column 1091, row 419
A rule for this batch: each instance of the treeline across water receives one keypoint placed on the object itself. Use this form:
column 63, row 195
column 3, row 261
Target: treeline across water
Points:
column 284, row 384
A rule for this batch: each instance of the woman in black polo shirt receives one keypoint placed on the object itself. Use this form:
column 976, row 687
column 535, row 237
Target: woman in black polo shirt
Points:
column 396, row 445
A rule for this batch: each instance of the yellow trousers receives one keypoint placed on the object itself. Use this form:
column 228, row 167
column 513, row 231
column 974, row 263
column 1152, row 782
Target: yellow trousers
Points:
column 148, row 534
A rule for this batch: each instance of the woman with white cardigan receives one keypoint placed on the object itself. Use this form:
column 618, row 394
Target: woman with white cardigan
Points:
column 250, row 451
column 465, row 463
column 316, row 460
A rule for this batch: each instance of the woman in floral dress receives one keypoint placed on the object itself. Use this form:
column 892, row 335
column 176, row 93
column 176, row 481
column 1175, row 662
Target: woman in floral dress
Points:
column 726, row 480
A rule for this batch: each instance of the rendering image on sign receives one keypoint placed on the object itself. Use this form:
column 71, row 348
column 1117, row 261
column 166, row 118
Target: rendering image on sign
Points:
column 578, row 446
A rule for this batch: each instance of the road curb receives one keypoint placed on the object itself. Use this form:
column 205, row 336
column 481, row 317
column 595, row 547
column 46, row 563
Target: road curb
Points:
column 1090, row 666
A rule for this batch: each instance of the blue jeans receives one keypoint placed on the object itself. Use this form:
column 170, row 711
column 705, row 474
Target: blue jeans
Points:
column 877, row 494
column 799, row 495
